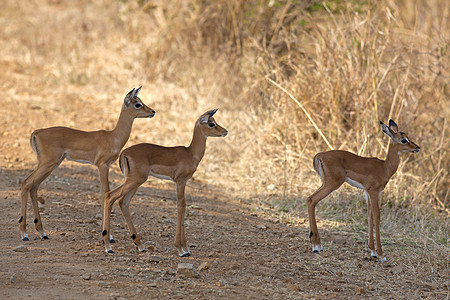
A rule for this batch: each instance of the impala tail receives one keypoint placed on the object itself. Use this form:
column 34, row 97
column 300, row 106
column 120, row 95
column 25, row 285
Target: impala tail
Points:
column 33, row 141
column 318, row 167
column 124, row 165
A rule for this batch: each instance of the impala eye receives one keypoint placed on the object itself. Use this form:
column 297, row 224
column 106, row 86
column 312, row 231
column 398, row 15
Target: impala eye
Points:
column 404, row 141
column 138, row 105
column 211, row 124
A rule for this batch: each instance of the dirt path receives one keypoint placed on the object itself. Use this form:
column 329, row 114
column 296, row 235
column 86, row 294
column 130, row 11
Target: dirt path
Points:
column 247, row 256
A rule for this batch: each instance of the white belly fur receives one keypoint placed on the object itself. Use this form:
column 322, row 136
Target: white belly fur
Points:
column 160, row 176
column 359, row 186
column 77, row 160
column 354, row 183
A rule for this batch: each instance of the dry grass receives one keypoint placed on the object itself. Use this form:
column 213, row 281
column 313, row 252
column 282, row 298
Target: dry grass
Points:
column 349, row 63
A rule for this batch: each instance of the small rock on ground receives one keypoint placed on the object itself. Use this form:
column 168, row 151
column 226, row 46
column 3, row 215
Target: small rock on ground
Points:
column 21, row 248
column 17, row 278
column 204, row 266
column 186, row 270
column 156, row 259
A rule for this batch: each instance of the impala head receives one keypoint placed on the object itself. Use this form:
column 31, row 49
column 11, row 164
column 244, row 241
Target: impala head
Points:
column 135, row 106
column 399, row 138
column 209, row 126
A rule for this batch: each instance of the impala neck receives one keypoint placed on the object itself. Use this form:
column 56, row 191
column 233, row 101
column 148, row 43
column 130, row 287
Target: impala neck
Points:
column 392, row 159
column 123, row 127
column 198, row 144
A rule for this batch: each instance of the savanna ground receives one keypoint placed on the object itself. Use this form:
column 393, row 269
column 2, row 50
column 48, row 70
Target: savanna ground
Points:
column 72, row 62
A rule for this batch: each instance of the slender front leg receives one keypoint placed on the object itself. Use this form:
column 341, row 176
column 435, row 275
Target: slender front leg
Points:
column 103, row 171
column 370, row 221
column 376, row 219
column 110, row 198
column 180, row 238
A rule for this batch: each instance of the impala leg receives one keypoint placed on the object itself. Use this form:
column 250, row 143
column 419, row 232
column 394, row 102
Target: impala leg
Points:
column 110, row 198
column 180, row 238
column 103, row 171
column 30, row 186
column 25, row 190
column 37, row 215
column 376, row 220
column 124, row 204
column 370, row 220
column 311, row 202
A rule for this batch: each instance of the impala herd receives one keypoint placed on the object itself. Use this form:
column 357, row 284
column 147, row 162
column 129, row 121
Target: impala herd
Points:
column 101, row 148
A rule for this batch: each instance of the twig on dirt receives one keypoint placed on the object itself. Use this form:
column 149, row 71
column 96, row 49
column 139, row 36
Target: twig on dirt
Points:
column 304, row 110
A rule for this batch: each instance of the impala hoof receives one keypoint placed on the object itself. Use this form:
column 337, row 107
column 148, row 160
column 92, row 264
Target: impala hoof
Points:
column 317, row 248
column 374, row 253
column 110, row 251
column 143, row 250
column 25, row 239
column 112, row 241
column 44, row 237
column 186, row 254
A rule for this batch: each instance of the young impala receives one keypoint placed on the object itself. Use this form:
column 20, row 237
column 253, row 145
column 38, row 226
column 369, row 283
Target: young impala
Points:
column 370, row 174
column 175, row 163
column 100, row 148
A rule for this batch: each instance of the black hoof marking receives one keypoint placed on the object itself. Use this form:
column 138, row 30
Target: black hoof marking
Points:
column 374, row 256
column 133, row 236
column 25, row 239
column 316, row 251
column 21, row 219
column 104, row 232
column 112, row 241
column 45, row 237
column 310, row 234
column 35, row 220
column 186, row 254
column 145, row 250
column 110, row 251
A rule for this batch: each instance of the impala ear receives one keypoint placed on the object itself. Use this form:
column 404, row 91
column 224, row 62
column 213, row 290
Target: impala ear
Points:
column 393, row 126
column 203, row 119
column 212, row 112
column 386, row 130
column 137, row 91
column 207, row 116
column 128, row 97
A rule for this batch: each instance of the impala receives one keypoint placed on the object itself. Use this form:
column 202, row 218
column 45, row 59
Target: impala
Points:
column 370, row 174
column 100, row 148
column 174, row 163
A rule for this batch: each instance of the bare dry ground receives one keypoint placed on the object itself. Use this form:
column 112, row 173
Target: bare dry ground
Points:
column 71, row 63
